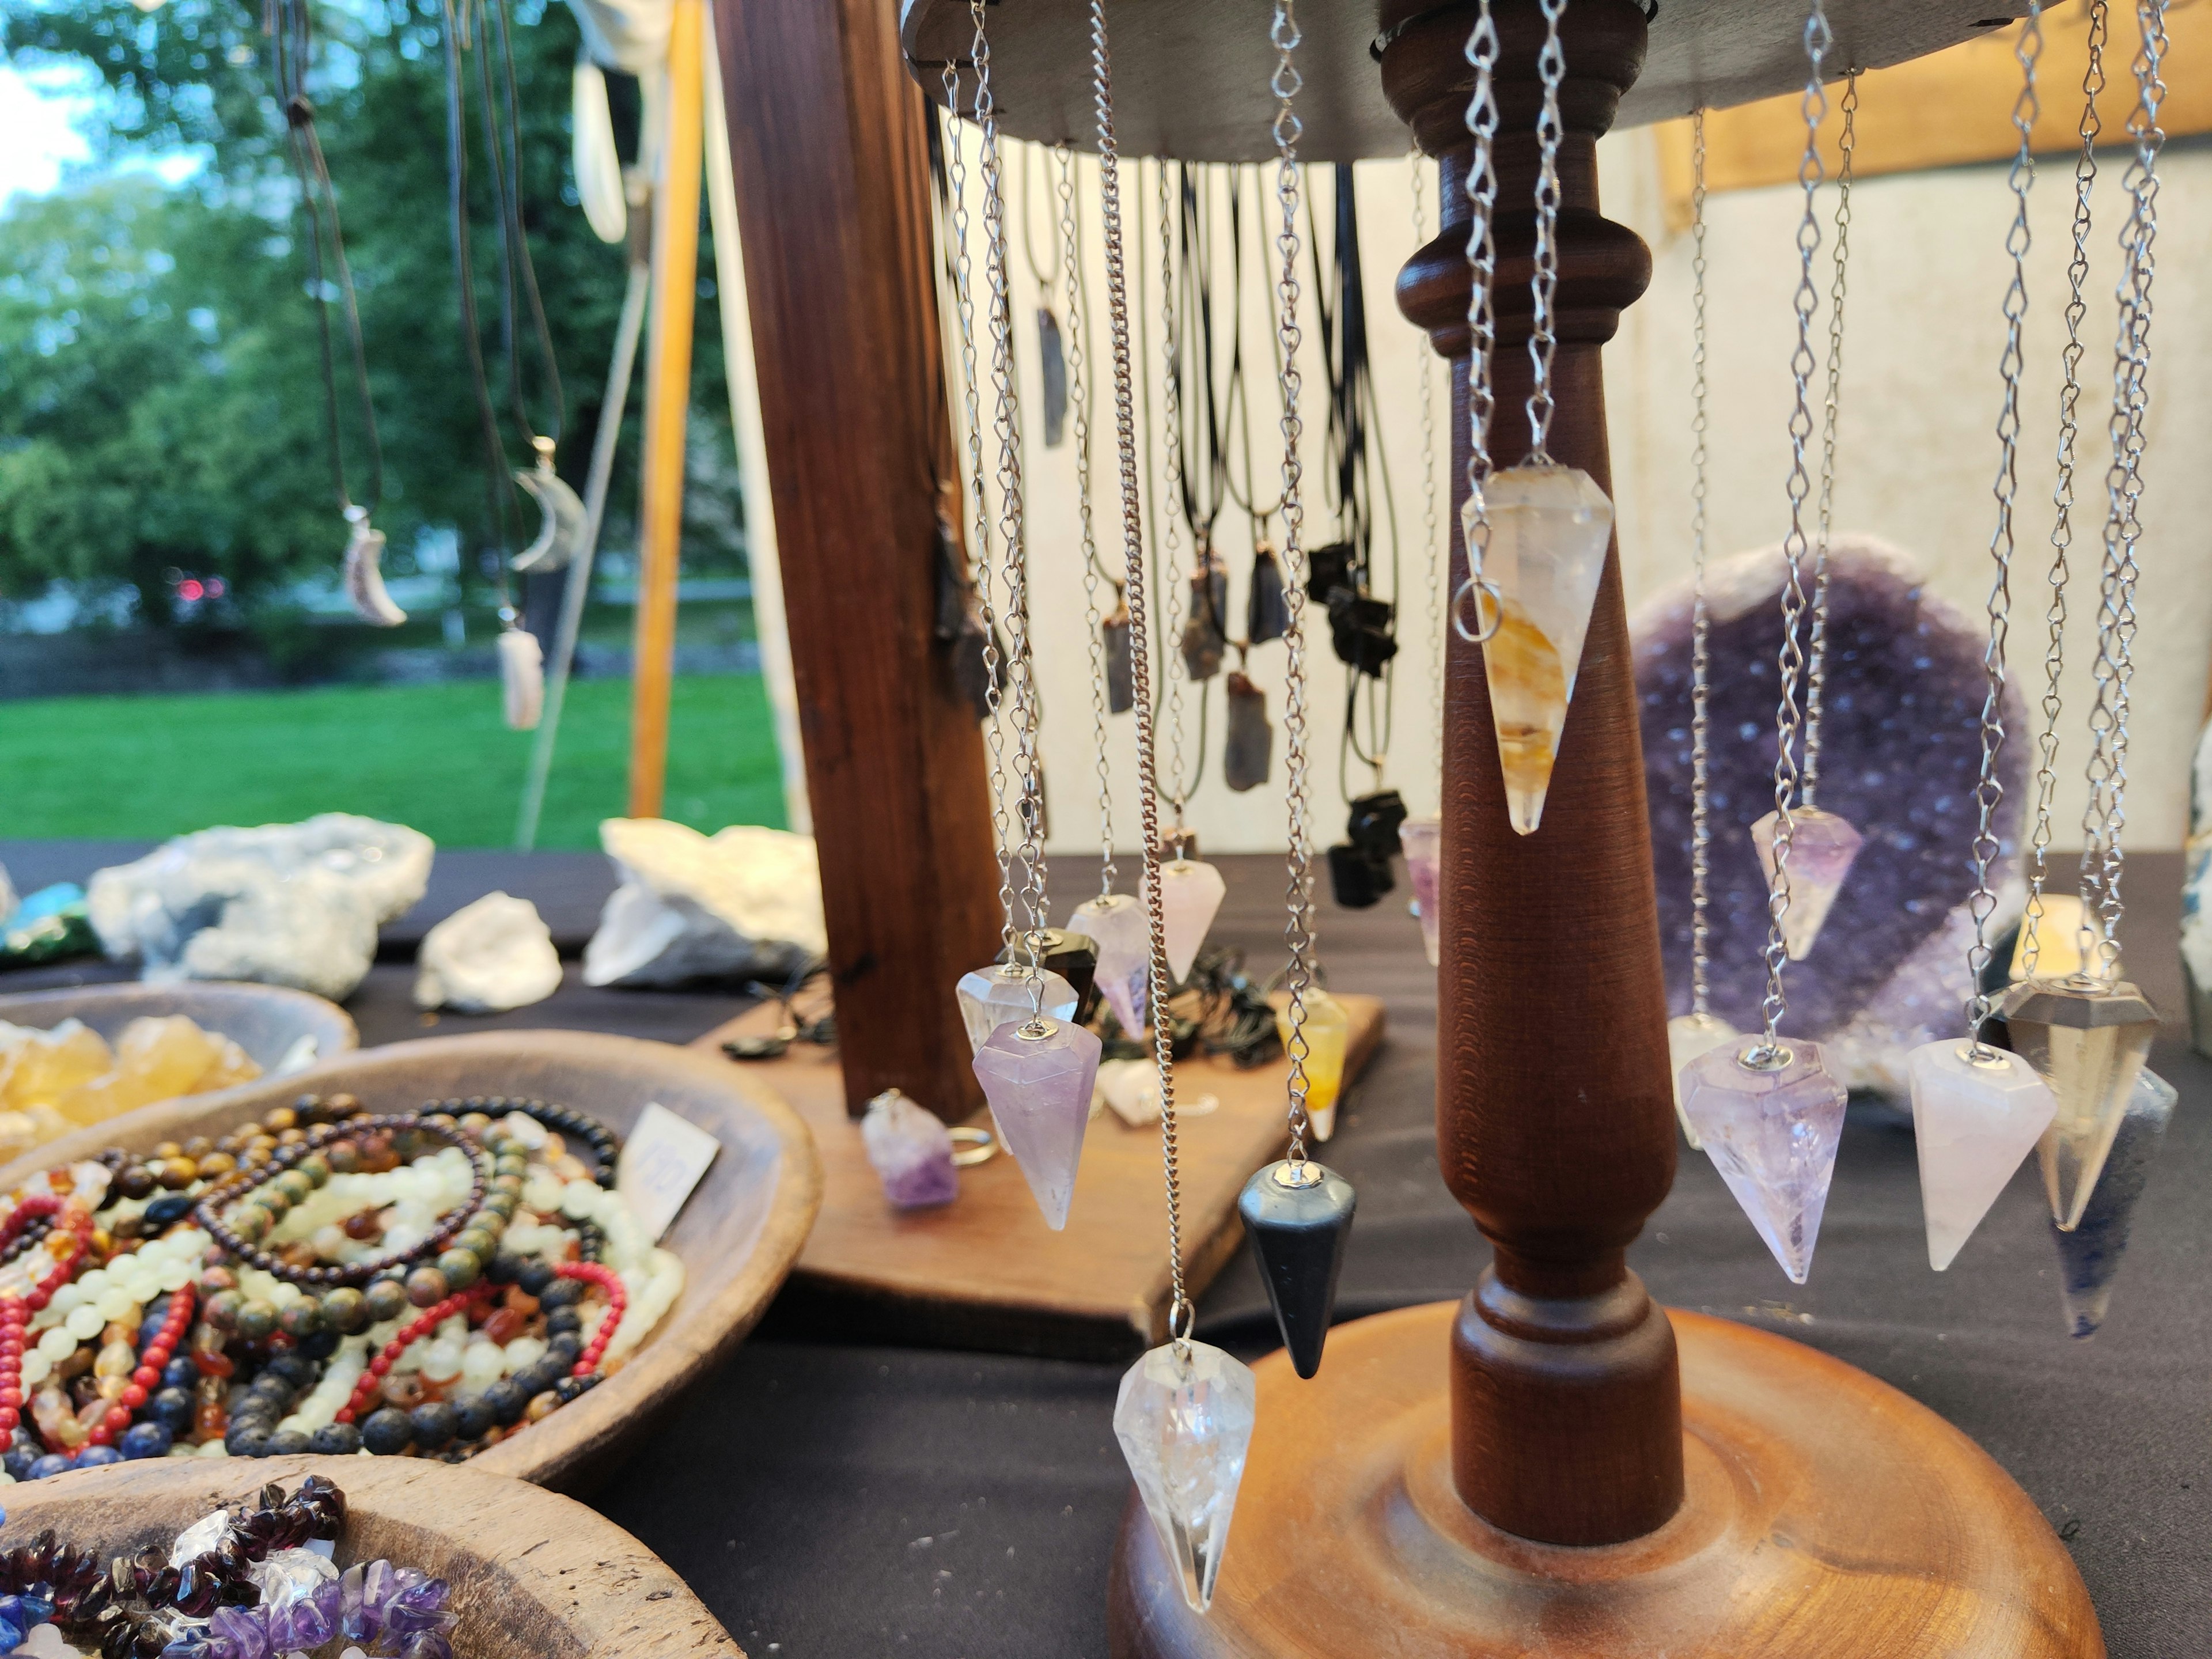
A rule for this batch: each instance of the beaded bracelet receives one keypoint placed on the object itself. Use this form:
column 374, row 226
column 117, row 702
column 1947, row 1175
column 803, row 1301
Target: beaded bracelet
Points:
column 562, row 1120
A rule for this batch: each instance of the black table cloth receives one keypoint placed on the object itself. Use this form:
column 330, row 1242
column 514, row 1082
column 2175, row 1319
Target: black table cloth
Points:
column 838, row 1501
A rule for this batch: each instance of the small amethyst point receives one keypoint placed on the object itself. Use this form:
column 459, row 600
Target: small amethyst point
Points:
column 910, row 1151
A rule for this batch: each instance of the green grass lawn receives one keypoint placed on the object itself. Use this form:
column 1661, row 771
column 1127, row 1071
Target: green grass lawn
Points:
column 434, row 757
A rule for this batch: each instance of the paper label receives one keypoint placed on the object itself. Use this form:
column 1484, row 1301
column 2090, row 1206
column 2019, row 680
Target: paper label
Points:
column 660, row 1163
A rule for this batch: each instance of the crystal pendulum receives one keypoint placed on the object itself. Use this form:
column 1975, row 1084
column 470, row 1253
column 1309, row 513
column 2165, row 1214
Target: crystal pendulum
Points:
column 1299, row 1216
column 2089, row 1038
column 1422, row 840
column 1116, row 923
column 1037, row 1074
column 1701, row 1030
column 1068, row 952
column 1977, row 1110
column 1190, row 895
column 2089, row 1256
column 1822, row 848
column 1185, row 1412
column 1769, row 1112
column 994, row 996
column 1328, row 1032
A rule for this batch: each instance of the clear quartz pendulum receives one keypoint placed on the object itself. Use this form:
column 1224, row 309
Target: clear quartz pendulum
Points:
column 1701, row 1030
column 1004, row 992
column 1769, row 1112
column 1185, row 1412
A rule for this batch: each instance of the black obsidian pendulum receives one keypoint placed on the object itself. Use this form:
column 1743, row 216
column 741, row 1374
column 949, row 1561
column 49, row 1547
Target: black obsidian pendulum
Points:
column 1299, row 1216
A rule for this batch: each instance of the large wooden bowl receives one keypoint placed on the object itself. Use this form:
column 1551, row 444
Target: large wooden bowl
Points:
column 264, row 1020
column 535, row 1576
column 738, row 1235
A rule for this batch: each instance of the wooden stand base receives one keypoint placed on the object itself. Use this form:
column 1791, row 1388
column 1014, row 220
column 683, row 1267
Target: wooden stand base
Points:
column 1827, row 1516
column 986, row 1272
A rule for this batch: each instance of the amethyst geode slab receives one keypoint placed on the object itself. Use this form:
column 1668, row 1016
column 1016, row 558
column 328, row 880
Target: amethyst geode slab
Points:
column 1900, row 753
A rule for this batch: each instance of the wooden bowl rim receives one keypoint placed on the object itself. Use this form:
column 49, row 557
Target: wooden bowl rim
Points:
column 518, row 1550
column 673, row 1357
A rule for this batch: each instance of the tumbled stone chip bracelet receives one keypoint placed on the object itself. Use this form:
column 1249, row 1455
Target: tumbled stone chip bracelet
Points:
column 324, row 1279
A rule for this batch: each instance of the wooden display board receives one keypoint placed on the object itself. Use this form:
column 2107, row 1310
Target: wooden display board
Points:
column 985, row 1271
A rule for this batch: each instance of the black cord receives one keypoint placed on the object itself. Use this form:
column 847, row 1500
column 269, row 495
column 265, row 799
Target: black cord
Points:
column 457, row 194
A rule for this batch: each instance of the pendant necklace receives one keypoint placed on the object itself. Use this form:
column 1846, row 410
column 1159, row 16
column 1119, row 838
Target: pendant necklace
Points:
column 1052, row 355
column 1296, row 1214
column 1701, row 1030
column 2090, row 1032
column 1977, row 1109
column 1823, row 844
column 292, row 49
column 1035, row 1063
column 1205, row 638
column 1542, row 529
column 1264, row 614
column 1421, row 839
column 1115, row 920
column 1183, row 1415
column 1768, row 1110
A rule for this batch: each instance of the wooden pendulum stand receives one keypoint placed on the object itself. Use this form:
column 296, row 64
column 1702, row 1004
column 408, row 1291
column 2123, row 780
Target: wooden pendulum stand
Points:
column 1595, row 1477
column 827, row 135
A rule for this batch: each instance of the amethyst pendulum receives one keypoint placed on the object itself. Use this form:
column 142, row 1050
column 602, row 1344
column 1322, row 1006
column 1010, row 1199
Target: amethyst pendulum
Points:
column 1821, row 848
column 1037, row 1074
column 1422, row 841
column 1771, row 1121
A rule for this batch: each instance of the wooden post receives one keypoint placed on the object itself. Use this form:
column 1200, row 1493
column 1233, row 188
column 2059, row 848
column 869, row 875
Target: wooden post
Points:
column 1555, row 1121
column 667, row 412
column 828, row 150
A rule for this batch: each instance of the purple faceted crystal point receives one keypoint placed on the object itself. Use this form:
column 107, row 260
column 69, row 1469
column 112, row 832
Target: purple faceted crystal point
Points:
column 911, row 1151
column 1771, row 1130
column 1900, row 753
column 1822, row 848
column 1422, row 839
column 1037, row 1076
column 1123, row 934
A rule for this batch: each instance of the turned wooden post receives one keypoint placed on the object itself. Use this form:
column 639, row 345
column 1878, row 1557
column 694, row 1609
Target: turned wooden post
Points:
column 827, row 136
column 1554, row 1120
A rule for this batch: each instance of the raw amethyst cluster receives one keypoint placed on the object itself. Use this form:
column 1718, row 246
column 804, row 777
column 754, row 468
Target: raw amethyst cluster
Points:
column 1900, row 754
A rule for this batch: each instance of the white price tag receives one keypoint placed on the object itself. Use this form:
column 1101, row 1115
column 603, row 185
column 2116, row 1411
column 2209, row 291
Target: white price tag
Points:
column 662, row 1163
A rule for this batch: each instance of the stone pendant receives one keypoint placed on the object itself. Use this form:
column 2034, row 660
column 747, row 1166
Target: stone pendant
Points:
column 1771, row 1130
column 1123, row 934
column 364, row 573
column 1249, row 750
column 1190, row 894
column 991, row 997
column 1184, row 1419
column 1689, row 1036
column 1299, row 1216
column 1037, row 1076
column 1267, row 612
column 2089, row 1256
column 1121, row 670
column 1549, row 529
column 1422, row 841
column 2088, row 1037
column 1052, row 372
column 563, row 525
column 1206, row 632
column 1328, row 1032
column 1975, row 1117
column 1821, row 848
column 521, row 679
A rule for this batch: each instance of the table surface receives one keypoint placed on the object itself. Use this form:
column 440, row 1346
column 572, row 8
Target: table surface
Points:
column 838, row 1500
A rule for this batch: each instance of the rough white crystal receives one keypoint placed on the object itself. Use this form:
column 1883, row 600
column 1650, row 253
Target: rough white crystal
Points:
column 295, row 904
column 1184, row 1418
column 487, row 956
column 746, row 899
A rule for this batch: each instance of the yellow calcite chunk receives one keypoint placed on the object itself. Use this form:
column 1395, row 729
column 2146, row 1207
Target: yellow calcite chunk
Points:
column 47, row 1065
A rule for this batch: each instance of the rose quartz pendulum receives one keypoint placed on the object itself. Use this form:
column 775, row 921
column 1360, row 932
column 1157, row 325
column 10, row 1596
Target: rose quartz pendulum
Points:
column 1117, row 922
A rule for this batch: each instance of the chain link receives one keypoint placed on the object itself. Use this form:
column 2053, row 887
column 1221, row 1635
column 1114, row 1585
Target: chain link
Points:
column 1701, row 830
column 1077, row 297
column 1133, row 541
column 1482, row 50
column 1543, row 341
column 1817, row 672
column 1298, row 930
column 1430, row 522
column 2103, row 858
column 1790, row 661
column 1989, row 790
column 1170, row 501
column 2062, row 532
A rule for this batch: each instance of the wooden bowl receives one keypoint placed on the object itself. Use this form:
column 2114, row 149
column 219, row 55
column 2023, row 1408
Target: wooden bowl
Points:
column 738, row 1235
column 535, row 1576
column 264, row 1020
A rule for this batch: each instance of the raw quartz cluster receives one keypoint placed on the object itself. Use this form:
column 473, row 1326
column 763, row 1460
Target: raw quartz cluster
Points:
column 53, row 1081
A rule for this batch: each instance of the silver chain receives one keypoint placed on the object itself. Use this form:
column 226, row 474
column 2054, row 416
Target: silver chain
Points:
column 1988, row 789
column 1792, row 660
column 1077, row 298
column 1298, row 930
column 2116, row 617
column 1180, row 1314
column 1431, row 523
column 2062, row 532
column 1817, row 670
column 963, row 305
column 1482, row 50
column 1701, row 831
column 1543, row 341
column 1006, row 423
